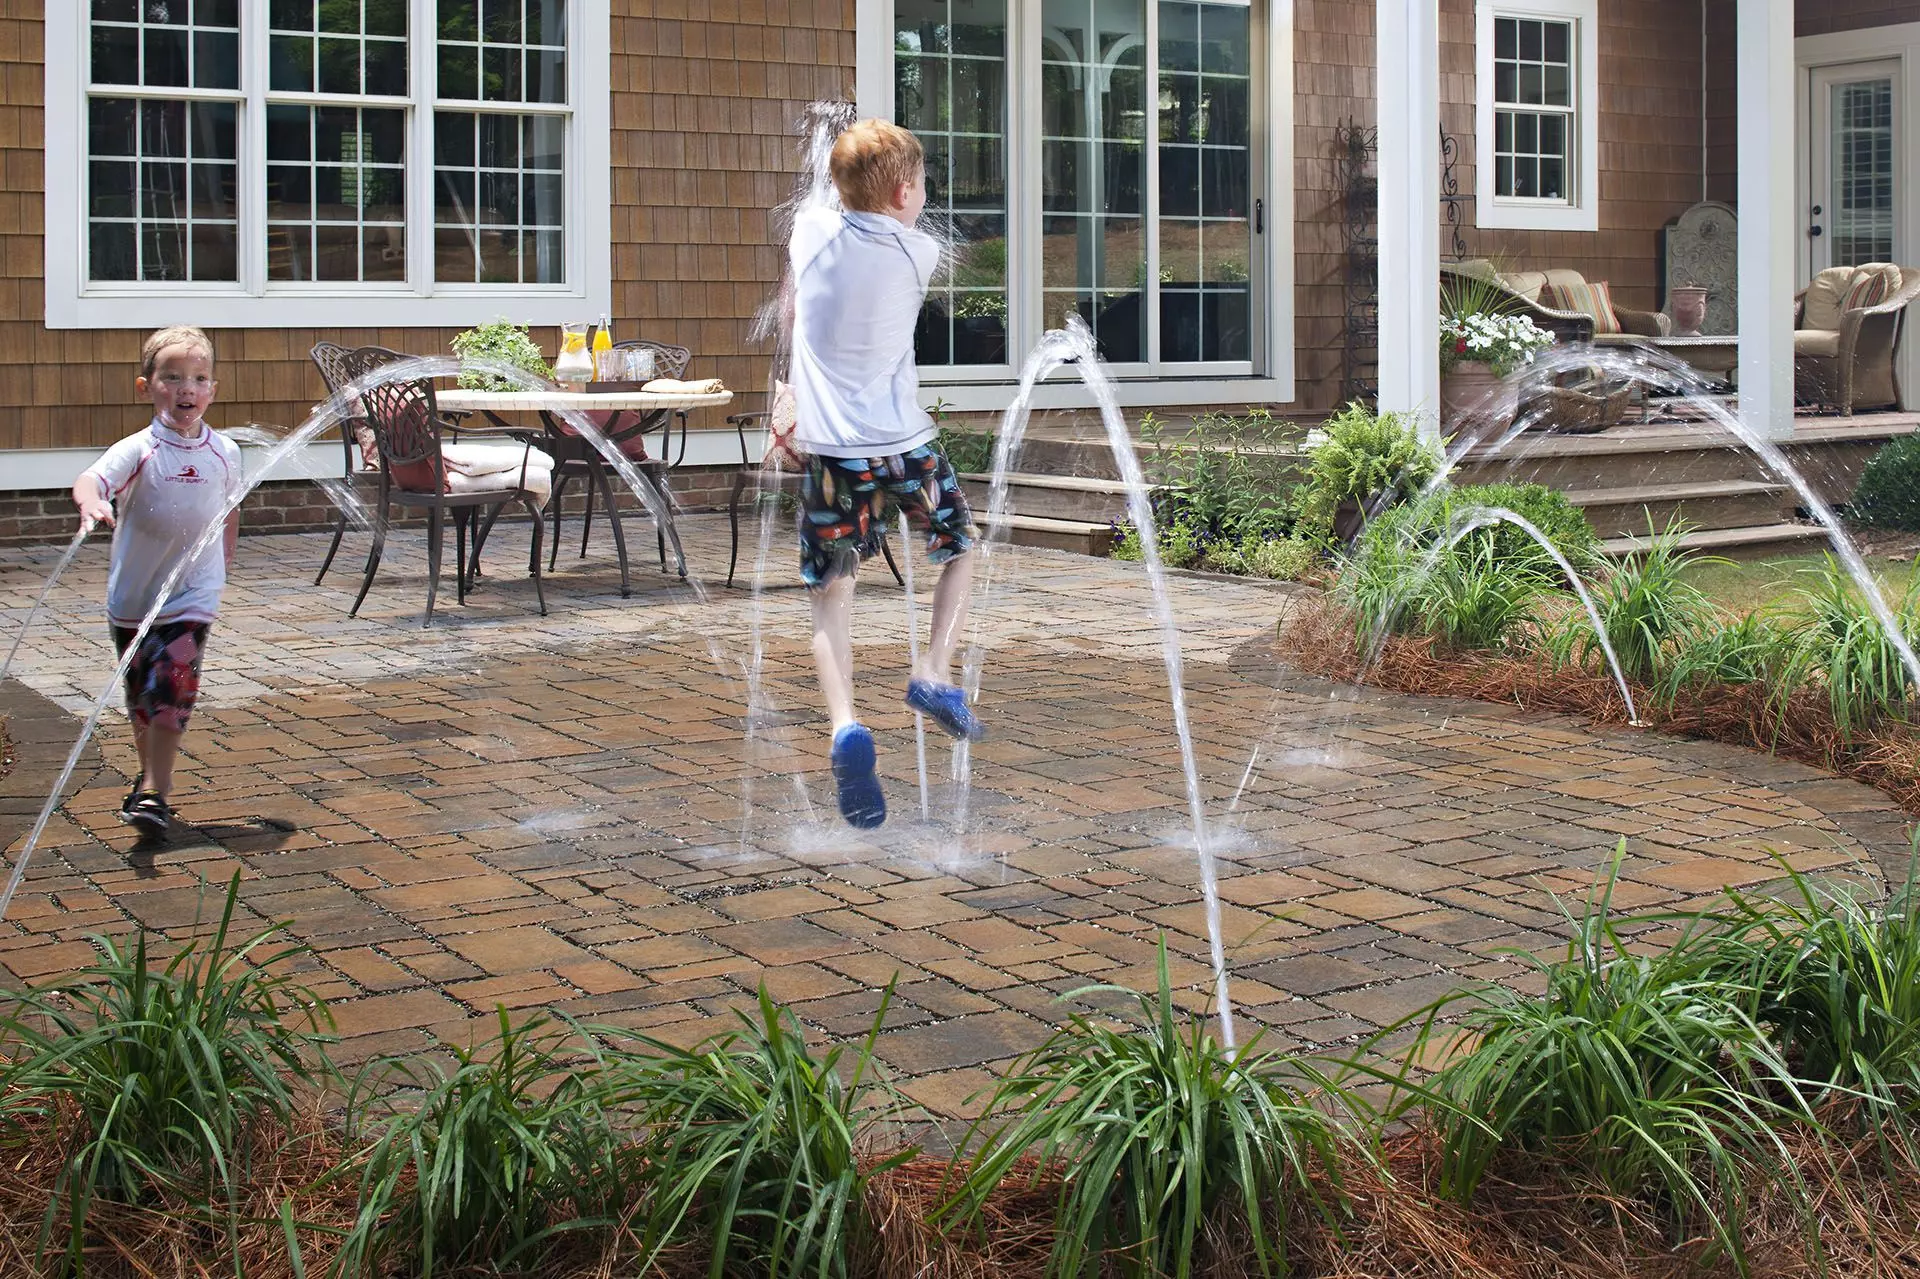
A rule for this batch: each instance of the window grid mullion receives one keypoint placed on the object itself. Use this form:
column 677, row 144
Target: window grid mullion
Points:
column 1150, row 197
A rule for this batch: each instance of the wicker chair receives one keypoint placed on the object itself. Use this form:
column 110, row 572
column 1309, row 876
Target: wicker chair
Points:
column 408, row 432
column 1843, row 352
column 1526, row 288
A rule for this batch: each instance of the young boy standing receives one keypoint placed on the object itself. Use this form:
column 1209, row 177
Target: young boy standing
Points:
column 860, row 274
column 159, row 490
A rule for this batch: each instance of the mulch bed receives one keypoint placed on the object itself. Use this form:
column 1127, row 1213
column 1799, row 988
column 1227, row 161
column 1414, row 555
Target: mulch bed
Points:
column 1318, row 639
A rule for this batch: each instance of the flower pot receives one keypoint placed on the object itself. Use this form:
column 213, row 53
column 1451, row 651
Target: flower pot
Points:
column 1470, row 395
column 1687, row 304
column 1350, row 517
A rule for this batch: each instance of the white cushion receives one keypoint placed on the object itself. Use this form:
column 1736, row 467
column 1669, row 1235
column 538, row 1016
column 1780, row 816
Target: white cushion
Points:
column 1824, row 296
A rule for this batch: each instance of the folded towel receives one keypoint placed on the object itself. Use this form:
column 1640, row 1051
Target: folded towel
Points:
column 493, row 459
column 673, row 386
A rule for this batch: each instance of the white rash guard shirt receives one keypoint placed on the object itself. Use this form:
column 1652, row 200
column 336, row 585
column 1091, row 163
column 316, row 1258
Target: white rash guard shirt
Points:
column 166, row 489
column 859, row 280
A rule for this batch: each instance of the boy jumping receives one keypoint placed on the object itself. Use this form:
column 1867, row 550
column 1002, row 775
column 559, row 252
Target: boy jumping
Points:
column 860, row 274
column 158, row 491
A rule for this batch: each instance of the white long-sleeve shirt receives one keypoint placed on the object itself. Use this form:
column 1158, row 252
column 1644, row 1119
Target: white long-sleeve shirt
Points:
column 859, row 280
column 166, row 490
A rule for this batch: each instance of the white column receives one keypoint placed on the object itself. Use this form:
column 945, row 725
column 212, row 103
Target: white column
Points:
column 1408, row 90
column 1769, row 214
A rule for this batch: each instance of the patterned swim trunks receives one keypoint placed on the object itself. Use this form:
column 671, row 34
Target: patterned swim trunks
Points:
column 163, row 680
column 843, row 509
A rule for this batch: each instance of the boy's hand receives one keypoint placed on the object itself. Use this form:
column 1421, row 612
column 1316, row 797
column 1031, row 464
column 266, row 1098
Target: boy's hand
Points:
column 96, row 510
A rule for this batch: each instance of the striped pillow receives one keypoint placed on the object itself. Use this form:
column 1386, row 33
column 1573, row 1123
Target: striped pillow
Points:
column 1590, row 298
column 1870, row 287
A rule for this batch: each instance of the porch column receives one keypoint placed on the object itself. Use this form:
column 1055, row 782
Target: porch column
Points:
column 1769, row 214
column 1408, row 92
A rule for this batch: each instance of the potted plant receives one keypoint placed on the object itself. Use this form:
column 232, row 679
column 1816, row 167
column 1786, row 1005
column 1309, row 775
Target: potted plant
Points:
column 1483, row 342
column 499, row 342
column 1687, row 305
column 1359, row 463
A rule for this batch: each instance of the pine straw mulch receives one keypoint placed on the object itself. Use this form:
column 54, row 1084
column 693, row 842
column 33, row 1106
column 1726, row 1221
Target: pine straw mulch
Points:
column 1318, row 639
column 1532, row 1219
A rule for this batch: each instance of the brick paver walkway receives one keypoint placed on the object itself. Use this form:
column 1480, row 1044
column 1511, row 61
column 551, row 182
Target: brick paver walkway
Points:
column 570, row 812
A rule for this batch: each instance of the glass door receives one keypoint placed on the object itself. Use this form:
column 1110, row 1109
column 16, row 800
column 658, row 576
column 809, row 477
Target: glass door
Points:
column 1855, row 154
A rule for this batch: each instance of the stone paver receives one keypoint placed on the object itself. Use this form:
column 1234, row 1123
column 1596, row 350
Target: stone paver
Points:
column 580, row 811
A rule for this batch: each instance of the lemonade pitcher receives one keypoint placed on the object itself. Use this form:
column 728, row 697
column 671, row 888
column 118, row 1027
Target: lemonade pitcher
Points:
column 574, row 366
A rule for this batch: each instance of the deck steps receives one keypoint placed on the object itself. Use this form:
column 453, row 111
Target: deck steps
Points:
column 1088, row 537
column 1631, row 510
column 1063, row 497
column 1757, row 541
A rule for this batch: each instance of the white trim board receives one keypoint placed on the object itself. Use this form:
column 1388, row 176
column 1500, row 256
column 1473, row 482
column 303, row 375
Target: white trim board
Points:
column 1900, row 42
column 71, row 303
column 37, row 470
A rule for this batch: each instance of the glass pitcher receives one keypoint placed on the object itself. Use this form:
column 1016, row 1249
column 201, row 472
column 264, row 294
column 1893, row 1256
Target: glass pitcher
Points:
column 574, row 365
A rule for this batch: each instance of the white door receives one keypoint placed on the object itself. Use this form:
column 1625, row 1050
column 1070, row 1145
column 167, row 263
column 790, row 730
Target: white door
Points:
column 1855, row 179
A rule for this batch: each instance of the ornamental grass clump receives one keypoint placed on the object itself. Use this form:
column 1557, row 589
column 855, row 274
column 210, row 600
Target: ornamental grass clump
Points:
column 1840, row 644
column 1649, row 1072
column 493, row 1163
column 1836, row 979
column 753, row 1145
column 156, row 1078
column 1169, row 1148
column 1647, row 608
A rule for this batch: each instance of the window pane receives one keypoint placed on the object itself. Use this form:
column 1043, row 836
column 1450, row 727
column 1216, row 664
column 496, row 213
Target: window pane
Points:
column 386, row 67
column 216, row 251
column 1559, row 41
column 116, row 55
column 166, row 58
column 116, row 10
column 1530, row 40
column 333, row 171
column 110, row 126
column 547, row 22
column 339, row 66
column 340, row 16
column 546, row 76
column 1223, row 38
column 499, row 207
column 1506, row 38
column 216, row 60
column 110, row 251
column 290, row 63
column 290, row 15
column 1558, row 87
column 385, row 18
column 110, row 189
column 459, row 71
column 459, row 19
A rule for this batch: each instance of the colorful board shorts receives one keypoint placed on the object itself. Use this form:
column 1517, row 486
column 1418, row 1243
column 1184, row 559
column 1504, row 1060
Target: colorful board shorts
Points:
column 843, row 509
column 163, row 680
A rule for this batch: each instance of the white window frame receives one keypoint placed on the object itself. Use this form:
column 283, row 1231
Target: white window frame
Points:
column 1580, row 211
column 991, row 389
column 72, row 302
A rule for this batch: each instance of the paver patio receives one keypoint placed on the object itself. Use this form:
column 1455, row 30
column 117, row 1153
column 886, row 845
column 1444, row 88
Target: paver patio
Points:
column 578, row 812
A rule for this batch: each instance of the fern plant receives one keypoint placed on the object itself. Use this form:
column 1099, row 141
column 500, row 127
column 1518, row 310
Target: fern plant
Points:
column 1365, row 457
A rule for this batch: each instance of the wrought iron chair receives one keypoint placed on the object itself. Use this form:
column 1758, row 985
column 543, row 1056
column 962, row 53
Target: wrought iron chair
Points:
column 408, row 433
column 764, row 479
column 575, row 458
column 356, row 445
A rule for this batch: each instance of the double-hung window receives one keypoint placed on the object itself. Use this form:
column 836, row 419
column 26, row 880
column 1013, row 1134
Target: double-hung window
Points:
column 1115, row 159
column 294, row 162
column 1537, row 126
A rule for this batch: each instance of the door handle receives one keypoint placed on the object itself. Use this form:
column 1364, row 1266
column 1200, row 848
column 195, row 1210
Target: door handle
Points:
column 1259, row 217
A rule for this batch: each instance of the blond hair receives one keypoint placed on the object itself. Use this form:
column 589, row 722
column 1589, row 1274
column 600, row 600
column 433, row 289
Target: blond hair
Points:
column 173, row 335
column 872, row 160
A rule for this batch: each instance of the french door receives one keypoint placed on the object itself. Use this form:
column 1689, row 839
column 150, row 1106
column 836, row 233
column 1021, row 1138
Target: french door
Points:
column 1093, row 157
column 1855, row 154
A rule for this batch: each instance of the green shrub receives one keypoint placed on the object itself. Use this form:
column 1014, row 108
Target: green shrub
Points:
column 1839, row 642
column 1228, row 478
column 1157, row 1132
column 1181, row 543
column 1284, row 559
column 1648, row 1070
column 1889, row 491
column 1406, row 580
column 1364, row 456
column 1564, row 525
column 751, row 1137
column 491, row 1163
column 969, row 451
column 164, row 1071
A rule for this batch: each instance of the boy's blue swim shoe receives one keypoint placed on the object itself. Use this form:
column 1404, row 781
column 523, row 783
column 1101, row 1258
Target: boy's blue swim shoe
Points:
column 862, row 802
column 947, row 705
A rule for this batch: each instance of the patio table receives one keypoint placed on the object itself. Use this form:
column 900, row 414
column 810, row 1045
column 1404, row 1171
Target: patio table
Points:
column 653, row 406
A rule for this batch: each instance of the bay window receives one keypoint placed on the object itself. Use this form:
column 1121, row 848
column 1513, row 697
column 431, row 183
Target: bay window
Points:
column 279, row 162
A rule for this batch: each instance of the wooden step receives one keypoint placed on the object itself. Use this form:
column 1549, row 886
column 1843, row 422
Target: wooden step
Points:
column 1759, row 541
column 1087, row 537
column 1064, row 497
column 1629, row 511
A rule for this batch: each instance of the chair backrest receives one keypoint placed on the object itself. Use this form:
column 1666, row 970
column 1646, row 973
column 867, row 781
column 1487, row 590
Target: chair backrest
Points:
column 331, row 359
column 668, row 360
column 405, row 420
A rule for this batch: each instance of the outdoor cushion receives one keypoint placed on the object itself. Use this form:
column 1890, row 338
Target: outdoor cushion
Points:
column 1526, row 283
column 1822, row 305
column 1872, row 284
column 1817, row 342
column 781, row 455
column 1588, row 297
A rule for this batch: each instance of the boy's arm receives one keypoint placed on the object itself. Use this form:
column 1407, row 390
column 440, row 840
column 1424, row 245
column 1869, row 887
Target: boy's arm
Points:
column 90, row 497
column 231, row 540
